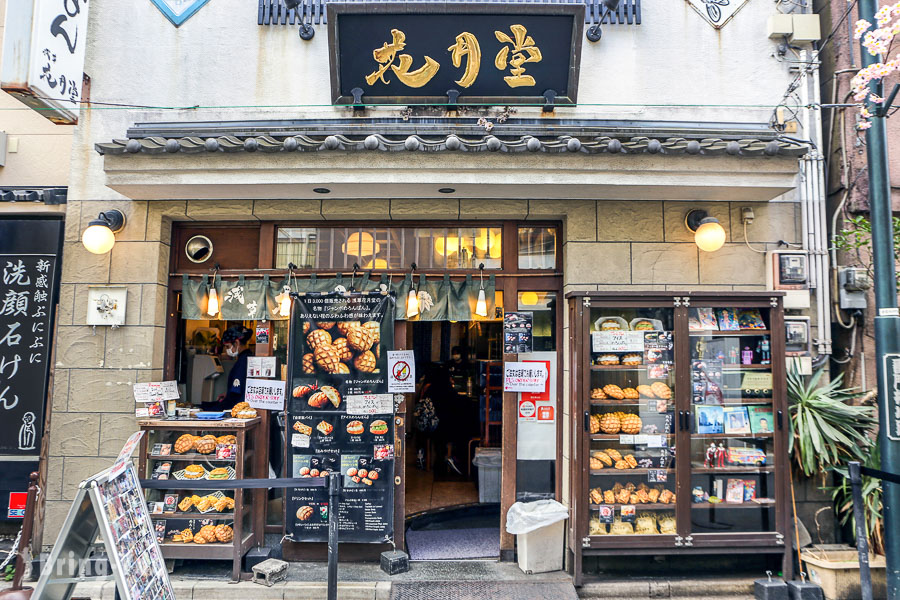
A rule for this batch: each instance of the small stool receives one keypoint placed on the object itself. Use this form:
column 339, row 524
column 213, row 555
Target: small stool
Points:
column 269, row 572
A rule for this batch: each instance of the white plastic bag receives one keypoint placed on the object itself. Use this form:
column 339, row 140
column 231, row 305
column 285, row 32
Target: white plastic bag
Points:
column 525, row 517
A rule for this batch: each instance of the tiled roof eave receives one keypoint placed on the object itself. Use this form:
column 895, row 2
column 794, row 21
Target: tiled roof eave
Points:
column 376, row 142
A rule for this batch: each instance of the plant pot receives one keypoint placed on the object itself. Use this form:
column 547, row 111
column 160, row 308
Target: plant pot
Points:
column 837, row 571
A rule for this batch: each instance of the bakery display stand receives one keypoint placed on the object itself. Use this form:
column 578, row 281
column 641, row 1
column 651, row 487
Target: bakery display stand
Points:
column 680, row 423
column 199, row 523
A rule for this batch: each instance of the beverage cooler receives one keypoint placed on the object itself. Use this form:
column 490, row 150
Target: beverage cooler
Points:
column 680, row 425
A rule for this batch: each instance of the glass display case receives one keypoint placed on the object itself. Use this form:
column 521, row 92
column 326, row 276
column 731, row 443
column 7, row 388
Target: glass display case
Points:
column 678, row 409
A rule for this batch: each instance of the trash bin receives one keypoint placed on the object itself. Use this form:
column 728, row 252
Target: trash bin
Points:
column 540, row 529
column 489, row 461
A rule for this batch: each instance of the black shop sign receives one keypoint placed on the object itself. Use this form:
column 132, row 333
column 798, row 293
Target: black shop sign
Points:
column 29, row 252
column 340, row 416
column 437, row 53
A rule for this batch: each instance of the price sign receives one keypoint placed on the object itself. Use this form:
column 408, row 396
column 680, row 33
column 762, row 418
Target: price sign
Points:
column 617, row 341
column 370, row 404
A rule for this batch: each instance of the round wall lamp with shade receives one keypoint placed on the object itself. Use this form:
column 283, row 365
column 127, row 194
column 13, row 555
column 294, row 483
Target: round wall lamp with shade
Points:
column 361, row 243
column 709, row 235
column 198, row 249
column 99, row 237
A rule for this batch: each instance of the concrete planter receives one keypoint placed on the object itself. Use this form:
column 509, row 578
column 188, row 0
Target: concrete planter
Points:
column 837, row 571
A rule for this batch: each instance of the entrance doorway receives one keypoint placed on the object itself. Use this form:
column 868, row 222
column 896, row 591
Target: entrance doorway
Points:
column 453, row 441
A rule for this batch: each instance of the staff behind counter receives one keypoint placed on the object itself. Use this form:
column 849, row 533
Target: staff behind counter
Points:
column 235, row 340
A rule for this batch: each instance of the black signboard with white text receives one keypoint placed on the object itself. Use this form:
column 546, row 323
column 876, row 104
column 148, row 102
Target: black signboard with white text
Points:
column 29, row 252
column 408, row 53
column 340, row 415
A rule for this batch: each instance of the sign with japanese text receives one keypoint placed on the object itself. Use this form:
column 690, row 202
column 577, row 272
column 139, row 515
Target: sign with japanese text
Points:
column 340, row 416
column 617, row 341
column 892, row 387
column 265, row 394
column 28, row 284
column 43, row 55
column 401, row 371
column 485, row 53
column 261, row 366
column 157, row 391
column 524, row 377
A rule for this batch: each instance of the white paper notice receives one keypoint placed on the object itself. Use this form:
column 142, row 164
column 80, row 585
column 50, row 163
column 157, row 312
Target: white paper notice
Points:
column 261, row 366
column 656, row 441
column 155, row 392
column 265, row 394
column 617, row 341
column 626, row 439
column 370, row 404
column 125, row 455
column 524, row 377
column 401, row 371
column 299, row 440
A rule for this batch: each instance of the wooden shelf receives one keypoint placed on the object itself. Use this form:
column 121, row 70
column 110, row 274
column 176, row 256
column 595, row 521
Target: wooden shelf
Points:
column 613, row 404
column 744, row 367
column 702, row 505
column 738, row 333
column 648, row 506
column 638, row 471
column 760, row 436
column 730, row 470
column 192, row 457
column 622, row 368
column 183, row 516
column 614, row 437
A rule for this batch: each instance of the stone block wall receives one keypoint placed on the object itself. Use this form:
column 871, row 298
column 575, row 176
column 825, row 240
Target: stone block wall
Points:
column 607, row 245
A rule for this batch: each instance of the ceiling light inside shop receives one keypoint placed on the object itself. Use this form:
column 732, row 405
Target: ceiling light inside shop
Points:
column 709, row 235
column 488, row 242
column 378, row 263
column 361, row 244
column 529, row 299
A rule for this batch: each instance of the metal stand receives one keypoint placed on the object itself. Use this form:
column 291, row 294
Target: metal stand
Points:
column 334, row 492
column 862, row 540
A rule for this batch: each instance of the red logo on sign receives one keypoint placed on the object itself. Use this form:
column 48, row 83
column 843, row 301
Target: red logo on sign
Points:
column 545, row 413
column 17, row 502
column 401, row 371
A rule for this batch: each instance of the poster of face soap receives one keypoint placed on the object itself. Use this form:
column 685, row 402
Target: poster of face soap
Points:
column 340, row 415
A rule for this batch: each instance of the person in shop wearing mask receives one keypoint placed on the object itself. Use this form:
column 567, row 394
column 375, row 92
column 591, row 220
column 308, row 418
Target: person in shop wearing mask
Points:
column 235, row 340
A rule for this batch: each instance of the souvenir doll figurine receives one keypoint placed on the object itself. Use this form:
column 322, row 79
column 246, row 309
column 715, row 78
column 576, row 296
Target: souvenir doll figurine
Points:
column 733, row 356
column 763, row 349
column 710, row 456
column 700, row 349
column 720, row 455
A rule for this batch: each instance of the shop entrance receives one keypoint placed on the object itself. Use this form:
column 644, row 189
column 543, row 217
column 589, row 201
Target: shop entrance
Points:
column 454, row 441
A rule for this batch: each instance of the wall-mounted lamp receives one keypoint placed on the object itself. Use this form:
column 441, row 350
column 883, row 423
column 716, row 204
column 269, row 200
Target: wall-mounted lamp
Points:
column 481, row 304
column 412, row 301
column 99, row 237
column 709, row 235
column 212, row 307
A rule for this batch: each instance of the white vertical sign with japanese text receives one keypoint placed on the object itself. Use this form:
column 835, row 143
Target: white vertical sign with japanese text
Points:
column 892, row 390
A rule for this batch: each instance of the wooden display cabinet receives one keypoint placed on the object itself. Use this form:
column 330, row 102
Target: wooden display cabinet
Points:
column 680, row 418
column 245, row 519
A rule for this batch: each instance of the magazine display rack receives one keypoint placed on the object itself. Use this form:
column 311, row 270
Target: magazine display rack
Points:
column 681, row 425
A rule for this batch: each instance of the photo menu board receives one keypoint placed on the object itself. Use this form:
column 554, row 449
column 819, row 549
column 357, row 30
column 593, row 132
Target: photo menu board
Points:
column 340, row 415
column 28, row 284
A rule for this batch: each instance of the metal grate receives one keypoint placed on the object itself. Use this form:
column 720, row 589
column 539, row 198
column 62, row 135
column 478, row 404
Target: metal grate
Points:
column 274, row 12
column 479, row 590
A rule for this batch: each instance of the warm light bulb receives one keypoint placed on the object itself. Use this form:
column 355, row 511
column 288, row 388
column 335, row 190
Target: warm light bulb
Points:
column 213, row 308
column 529, row 298
column 710, row 235
column 98, row 239
column 481, row 305
column 412, row 304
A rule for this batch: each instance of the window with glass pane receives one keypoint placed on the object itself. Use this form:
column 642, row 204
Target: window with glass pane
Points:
column 381, row 248
column 632, row 422
column 542, row 306
column 732, row 439
column 537, row 247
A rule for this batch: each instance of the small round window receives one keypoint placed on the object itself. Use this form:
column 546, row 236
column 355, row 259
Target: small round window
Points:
column 198, row 249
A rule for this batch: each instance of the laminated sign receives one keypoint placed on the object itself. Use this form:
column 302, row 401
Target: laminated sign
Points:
column 265, row 394
column 341, row 416
column 524, row 376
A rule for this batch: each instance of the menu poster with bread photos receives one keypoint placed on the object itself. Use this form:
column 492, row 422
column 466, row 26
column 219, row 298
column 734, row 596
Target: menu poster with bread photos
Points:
column 339, row 345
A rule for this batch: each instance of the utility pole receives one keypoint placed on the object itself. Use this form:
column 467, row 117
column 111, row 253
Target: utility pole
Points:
column 887, row 318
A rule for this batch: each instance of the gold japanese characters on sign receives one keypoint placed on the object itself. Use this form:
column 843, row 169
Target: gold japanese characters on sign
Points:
column 517, row 51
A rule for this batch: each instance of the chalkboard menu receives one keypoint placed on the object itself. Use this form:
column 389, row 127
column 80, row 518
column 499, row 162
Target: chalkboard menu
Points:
column 28, row 284
column 340, row 416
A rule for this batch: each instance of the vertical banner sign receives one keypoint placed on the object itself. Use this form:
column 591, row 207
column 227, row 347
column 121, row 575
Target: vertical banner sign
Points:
column 43, row 55
column 340, row 415
column 892, row 385
column 27, row 300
